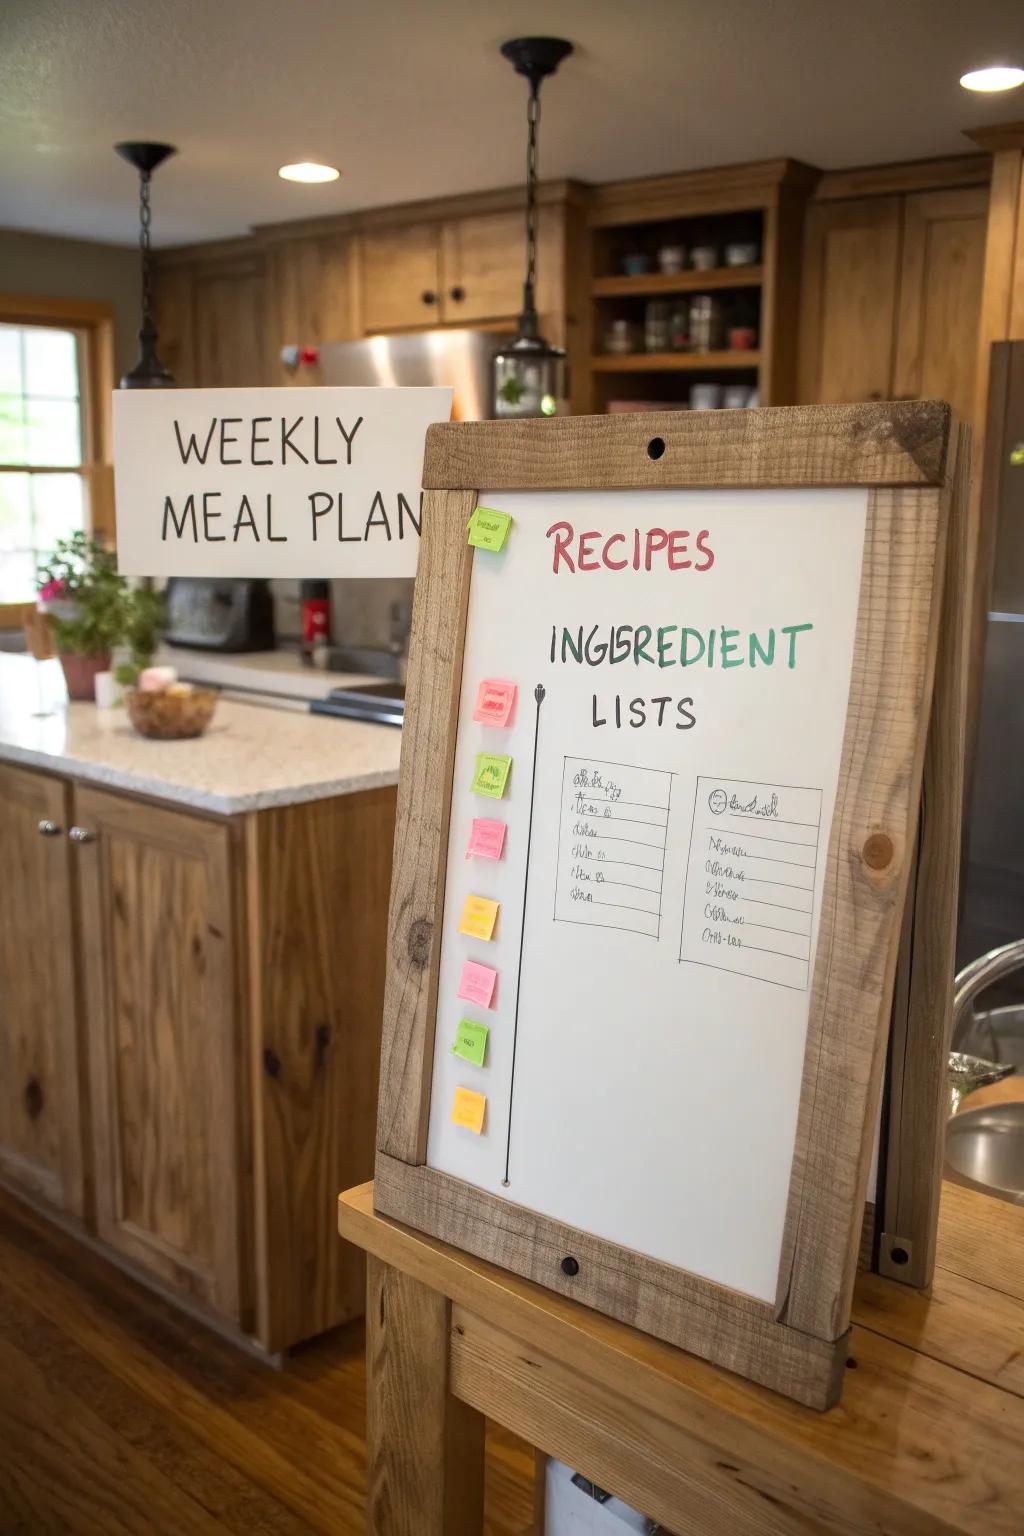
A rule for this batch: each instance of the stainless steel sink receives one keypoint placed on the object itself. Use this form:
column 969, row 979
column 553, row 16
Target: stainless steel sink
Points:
column 985, row 1149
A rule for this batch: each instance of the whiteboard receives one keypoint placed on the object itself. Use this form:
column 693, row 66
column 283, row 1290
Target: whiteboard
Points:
column 661, row 879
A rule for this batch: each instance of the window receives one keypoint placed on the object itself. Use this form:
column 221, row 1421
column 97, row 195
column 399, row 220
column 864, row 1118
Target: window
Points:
column 55, row 375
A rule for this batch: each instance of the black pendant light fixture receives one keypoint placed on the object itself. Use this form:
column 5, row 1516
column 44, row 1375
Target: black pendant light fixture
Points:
column 529, row 373
column 149, row 372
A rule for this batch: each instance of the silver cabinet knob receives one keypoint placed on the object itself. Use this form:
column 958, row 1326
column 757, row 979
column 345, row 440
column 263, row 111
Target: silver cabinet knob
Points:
column 49, row 828
column 81, row 835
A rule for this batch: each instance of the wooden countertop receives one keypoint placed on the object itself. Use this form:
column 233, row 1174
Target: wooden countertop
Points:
column 928, row 1437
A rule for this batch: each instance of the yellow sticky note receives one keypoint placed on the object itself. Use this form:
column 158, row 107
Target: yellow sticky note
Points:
column 479, row 916
column 468, row 1109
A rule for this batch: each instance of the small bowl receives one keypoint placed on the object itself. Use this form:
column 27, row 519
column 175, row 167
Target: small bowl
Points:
column 170, row 717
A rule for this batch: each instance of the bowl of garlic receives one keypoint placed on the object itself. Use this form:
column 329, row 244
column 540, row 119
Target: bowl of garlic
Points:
column 165, row 709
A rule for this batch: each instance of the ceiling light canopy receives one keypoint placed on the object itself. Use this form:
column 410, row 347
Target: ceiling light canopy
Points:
column 309, row 171
column 997, row 77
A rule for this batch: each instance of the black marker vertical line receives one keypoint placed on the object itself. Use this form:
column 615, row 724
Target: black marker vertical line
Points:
column 539, row 694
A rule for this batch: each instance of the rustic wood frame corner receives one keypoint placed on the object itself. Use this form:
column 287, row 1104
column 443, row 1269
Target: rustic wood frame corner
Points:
column 912, row 459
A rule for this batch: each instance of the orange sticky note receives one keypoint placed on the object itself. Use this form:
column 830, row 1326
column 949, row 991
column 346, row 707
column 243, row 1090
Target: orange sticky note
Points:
column 479, row 916
column 468, row 1109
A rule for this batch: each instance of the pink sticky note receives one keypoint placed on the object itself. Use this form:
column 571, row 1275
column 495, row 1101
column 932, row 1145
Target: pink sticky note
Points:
column 495, row 701
column 487, row 839
column 478, row 984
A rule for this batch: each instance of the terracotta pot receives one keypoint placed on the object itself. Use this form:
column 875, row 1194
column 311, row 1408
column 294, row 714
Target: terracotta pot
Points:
column 80, row 673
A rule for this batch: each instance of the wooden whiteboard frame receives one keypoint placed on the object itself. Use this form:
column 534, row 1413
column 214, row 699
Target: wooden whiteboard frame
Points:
column 901, row 454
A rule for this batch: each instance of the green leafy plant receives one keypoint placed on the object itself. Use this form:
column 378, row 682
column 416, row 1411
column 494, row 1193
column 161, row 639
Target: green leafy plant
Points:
column 91, row 606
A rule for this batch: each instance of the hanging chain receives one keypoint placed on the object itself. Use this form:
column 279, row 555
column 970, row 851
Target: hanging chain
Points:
column 145, row 217
column 532, row 120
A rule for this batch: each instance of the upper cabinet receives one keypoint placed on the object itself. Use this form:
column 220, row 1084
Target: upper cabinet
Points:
column 482, row 264
column 400, row 277
column 849, row 296
column 891, row 297
column 452, row 272
column 940, row 296
column 211, row 315
column 311, row 298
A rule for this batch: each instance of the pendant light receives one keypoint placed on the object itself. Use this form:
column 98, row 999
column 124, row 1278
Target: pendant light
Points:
column 149, row 372
column 529, row 373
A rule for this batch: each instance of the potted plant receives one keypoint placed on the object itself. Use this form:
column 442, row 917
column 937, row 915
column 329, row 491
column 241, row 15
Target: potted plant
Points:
column 92, row 610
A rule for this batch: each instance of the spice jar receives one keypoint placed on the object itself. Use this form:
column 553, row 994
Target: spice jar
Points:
column 705, row 322
column 679, row 326
column 620, row 337
column 657, row 318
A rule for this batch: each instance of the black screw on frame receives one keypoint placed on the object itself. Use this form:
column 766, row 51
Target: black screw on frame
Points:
column 539, row 694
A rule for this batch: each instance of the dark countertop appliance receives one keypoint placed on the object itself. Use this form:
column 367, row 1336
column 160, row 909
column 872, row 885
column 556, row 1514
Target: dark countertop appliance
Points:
column 212, row 613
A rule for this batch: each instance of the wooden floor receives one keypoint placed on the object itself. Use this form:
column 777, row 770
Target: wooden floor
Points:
column 120, row 1415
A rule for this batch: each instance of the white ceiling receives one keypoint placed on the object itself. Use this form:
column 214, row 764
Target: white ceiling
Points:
column 412, row 99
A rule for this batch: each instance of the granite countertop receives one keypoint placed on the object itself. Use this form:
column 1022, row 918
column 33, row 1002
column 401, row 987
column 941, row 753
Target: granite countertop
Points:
column 252, row 755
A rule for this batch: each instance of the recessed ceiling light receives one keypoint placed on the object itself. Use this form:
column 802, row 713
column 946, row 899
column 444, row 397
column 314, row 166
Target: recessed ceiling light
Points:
column 1000, row 77
column 309, row 170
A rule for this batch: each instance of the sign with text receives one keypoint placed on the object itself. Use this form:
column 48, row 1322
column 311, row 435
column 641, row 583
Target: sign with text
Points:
column 271, row 482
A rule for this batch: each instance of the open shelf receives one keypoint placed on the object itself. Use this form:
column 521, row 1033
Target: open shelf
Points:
column 673, row 362
column 650, row 284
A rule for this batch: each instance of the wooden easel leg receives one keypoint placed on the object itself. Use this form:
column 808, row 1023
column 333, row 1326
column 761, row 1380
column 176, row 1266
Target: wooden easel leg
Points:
column 425, row 1449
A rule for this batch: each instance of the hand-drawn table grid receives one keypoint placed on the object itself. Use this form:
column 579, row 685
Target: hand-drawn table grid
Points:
column 751, row 868
column 612, row 830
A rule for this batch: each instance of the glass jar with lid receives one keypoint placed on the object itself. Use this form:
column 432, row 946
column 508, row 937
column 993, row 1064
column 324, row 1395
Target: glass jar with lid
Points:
column 706, row 322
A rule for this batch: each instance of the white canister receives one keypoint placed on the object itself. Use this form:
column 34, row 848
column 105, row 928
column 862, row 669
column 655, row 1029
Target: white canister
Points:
column 736, row 397
column 107, row 689
column 705, row 397
column 703, row 258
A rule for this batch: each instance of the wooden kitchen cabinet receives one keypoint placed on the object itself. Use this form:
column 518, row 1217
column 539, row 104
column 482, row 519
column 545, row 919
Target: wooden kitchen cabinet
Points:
column 483, row 261
column 311, row 295
column 891, row 297
column 400, row 277
column 41, row 1150
column 850, row 289
column 164, row 1041
column 210, row 315
column 940, row 296
column 190, row 1036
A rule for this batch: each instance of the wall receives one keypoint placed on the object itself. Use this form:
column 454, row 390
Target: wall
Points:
column 77, row 269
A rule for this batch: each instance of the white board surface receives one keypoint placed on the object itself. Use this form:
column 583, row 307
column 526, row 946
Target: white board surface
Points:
column 655, row 984
column 271, row 482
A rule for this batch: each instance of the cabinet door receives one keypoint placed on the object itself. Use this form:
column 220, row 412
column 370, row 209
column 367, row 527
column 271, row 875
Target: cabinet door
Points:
column 400, row 278
column 310, row 294
column 940, row 296
column 482, row 265
column 230, row 344
column 40, row 1128
column 163, row 1040
column 848, row 306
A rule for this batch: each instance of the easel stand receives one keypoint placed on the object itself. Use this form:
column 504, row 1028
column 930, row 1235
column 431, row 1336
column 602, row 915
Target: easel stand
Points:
column 929, row 1437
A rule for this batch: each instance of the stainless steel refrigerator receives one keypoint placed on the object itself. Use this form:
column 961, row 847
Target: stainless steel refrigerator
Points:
column 993, row 905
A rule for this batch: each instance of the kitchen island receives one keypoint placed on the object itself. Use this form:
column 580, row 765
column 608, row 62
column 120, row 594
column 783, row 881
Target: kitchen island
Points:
column 192, row 940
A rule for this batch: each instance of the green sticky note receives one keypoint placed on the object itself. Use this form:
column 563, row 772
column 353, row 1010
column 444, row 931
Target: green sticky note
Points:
column 471, row 1041
column 488, row 529
column 491, row 774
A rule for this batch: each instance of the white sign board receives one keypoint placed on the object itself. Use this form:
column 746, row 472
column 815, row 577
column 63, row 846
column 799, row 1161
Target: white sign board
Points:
column 683, row 665
column 271, row 482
